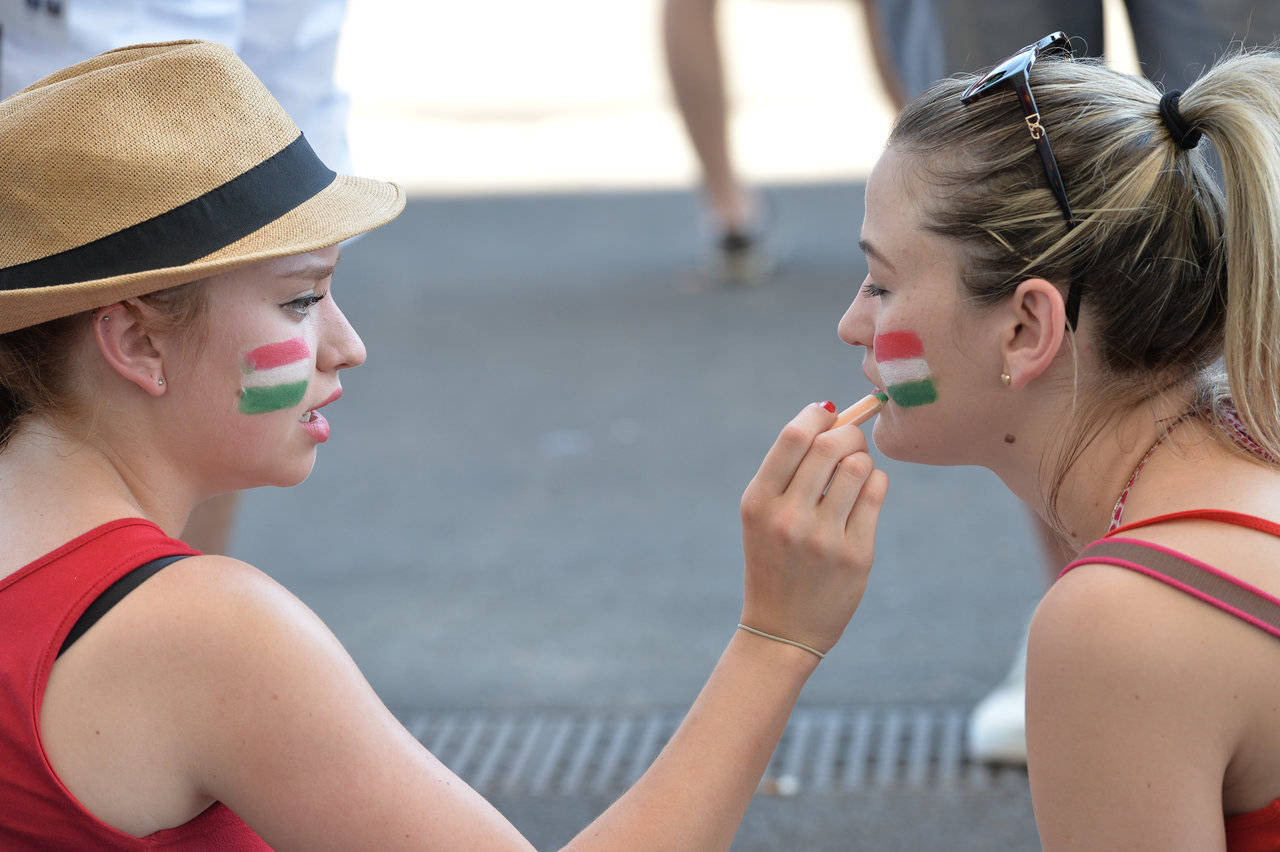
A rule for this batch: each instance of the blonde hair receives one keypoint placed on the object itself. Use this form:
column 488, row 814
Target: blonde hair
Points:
column 1173, row 272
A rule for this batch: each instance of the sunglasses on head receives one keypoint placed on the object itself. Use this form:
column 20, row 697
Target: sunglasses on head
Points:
column 1016, row 72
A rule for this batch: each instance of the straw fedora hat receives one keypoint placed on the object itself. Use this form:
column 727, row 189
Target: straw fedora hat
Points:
column 154, row 165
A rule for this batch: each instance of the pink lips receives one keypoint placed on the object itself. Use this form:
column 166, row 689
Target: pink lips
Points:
column 317, row 427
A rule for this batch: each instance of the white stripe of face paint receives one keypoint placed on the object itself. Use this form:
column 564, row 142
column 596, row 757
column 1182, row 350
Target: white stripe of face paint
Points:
column 904, row 370
column 298, row 371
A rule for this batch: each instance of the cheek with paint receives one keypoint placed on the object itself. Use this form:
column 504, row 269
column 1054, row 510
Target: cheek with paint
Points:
column 275, row 376
column 906, row 375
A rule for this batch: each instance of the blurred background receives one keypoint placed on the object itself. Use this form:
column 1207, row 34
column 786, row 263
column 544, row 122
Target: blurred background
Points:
column 525, row 527
column 503, row 95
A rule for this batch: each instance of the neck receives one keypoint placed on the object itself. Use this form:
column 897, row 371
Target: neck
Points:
column 1098, row 474
column 47, row 472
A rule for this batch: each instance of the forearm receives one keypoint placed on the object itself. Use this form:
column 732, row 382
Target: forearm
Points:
column 696, row 792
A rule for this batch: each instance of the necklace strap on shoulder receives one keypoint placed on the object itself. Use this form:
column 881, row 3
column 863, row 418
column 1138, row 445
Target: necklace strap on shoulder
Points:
column 1117, row 512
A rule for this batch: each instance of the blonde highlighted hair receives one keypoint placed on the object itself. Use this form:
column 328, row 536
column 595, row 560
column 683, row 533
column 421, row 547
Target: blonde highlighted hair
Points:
column 1174, row 272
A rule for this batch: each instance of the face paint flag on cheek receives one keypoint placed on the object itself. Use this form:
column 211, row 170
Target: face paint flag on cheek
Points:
column 275, row 376
column 905, row 373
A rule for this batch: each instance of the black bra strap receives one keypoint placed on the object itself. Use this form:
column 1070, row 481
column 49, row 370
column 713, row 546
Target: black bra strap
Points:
column 113, row 595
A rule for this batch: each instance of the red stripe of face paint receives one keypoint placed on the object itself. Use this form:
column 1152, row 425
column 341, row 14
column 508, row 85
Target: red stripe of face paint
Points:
column 278, row 354
column 893, row 345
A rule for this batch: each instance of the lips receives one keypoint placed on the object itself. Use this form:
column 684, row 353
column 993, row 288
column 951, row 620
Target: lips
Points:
column 333, row 397
column 314, row 423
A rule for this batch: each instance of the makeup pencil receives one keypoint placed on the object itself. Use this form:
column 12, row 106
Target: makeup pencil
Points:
column 862, row 410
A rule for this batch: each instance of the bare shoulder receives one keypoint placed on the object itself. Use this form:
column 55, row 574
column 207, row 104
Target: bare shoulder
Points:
column 129, row 698
column 1104, row 631
column 204, row 620
column 258, row 705
column 1100, row 614
column 1127, row 734
column 215, row 606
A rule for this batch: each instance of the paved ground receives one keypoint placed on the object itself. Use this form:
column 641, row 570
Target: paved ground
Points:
column 529, row 503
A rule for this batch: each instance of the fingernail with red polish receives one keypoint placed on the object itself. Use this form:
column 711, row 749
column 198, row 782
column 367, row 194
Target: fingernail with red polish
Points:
column 829, row 406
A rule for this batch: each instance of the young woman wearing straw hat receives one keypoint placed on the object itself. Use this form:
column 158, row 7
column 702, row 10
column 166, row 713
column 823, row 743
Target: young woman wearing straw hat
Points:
column 168, row 331
column 1059, row 313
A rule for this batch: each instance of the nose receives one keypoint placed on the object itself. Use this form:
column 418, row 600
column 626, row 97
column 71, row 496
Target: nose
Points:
column 857, row 326
column 340, row 347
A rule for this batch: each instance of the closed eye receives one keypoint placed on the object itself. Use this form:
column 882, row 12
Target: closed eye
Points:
column 870, row 289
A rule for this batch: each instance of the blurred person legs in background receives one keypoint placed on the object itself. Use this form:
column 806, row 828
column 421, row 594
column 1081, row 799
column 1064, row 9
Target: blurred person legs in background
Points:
column 291, row 45
column 695, row 68
column 1175, row 41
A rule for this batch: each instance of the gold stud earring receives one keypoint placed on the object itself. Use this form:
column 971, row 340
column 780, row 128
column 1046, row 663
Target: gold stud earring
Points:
column 1006, row 378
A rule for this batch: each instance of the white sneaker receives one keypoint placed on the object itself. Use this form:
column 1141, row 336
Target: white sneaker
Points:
column 998, row 723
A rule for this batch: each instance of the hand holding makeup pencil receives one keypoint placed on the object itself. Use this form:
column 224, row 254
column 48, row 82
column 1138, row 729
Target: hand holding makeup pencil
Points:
column 808, row 526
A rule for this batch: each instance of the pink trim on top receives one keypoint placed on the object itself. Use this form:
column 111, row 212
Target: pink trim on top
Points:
column 1195, row 593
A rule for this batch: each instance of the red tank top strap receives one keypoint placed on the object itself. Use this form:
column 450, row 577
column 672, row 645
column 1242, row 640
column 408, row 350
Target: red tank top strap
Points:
column 1221, row 515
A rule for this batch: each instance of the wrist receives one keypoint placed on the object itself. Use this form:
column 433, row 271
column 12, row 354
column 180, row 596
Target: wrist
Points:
column 809, row 649
column 776, row 655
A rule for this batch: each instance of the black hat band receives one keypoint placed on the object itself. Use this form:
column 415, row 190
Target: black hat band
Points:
column 189, row 231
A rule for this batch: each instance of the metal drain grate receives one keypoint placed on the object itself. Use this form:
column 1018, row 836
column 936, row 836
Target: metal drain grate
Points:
column 822, row 751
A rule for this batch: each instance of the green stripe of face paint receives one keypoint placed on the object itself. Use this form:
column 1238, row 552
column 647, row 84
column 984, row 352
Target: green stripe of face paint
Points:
column 910, row 394
column 273, row 398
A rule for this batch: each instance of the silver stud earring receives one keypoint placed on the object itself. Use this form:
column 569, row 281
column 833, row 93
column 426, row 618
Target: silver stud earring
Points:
column 160, row 380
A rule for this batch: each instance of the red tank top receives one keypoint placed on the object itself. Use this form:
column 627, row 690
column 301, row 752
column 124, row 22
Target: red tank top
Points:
column 1256, row 831
column 38, row 606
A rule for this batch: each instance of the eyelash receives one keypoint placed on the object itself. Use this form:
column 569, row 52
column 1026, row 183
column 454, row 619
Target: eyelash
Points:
column 303, row 305
column 869, row 289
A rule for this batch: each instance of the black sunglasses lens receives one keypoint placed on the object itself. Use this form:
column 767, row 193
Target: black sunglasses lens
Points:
column 1011, row 67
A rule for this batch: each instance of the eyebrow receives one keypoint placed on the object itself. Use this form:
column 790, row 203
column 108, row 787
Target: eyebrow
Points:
column 871, row 251
column 314, row 271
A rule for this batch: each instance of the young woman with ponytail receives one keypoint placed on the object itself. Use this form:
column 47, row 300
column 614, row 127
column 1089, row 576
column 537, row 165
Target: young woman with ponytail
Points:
column 1100, row 323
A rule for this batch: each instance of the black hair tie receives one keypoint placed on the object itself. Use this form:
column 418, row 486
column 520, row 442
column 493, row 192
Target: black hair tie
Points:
column 1186, row 135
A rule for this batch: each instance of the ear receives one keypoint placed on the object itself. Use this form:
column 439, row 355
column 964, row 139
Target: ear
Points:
column 1037, row 320
column 127, row 346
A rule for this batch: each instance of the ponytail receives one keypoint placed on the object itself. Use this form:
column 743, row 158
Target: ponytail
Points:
column 1236, row 104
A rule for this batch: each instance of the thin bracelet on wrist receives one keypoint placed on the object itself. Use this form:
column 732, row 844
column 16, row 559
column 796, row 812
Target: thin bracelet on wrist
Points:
column 814, row 651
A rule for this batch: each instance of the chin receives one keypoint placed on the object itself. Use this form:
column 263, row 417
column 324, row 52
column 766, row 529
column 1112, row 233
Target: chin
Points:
column 296, row 474
column 916, row 441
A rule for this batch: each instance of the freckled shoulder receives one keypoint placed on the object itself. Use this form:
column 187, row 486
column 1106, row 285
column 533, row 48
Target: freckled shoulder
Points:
column 159, row 668
column 280, row 725
column 1128, row 736
column 1103, row 621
